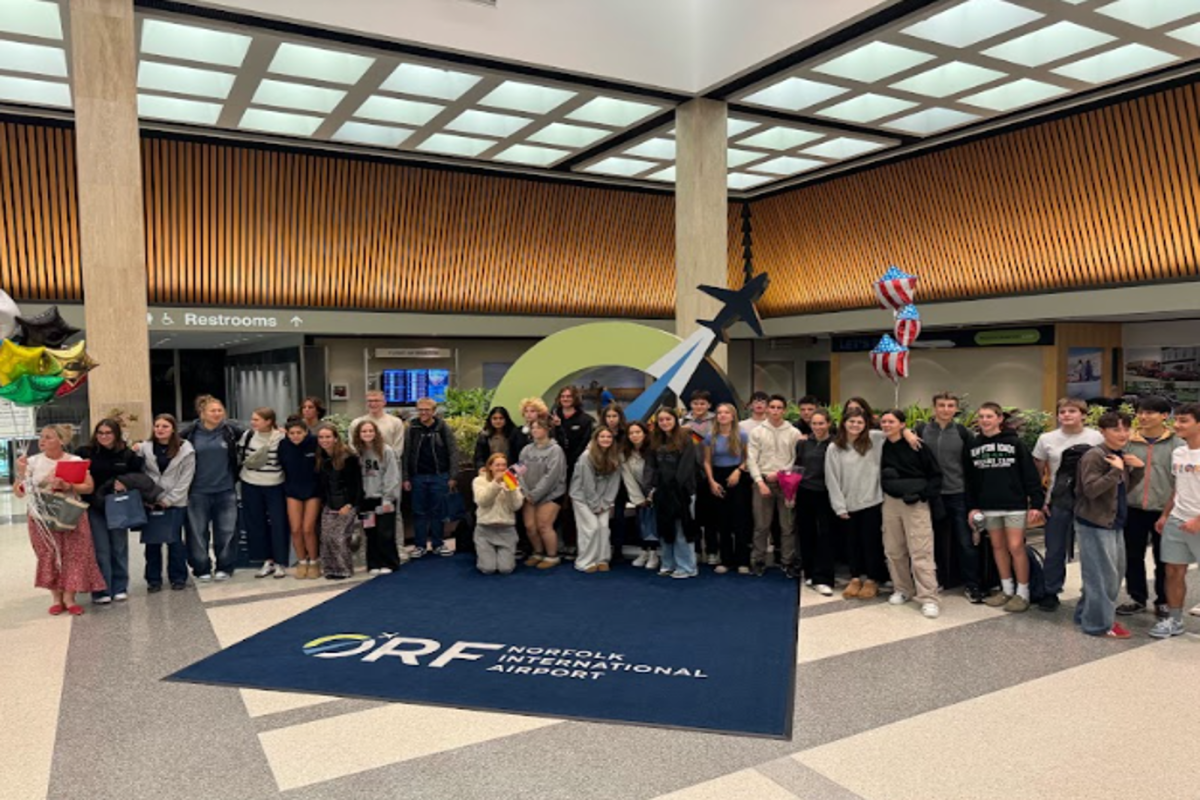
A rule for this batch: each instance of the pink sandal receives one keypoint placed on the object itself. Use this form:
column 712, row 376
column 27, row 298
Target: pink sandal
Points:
column 75, row 611
column 57, row 609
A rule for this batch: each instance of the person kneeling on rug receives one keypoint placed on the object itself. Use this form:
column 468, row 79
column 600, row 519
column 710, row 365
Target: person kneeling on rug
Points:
column 593, row 492
column 497, row 502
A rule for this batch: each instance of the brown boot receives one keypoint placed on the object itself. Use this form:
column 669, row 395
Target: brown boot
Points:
column 870, row 589
column 851, row 591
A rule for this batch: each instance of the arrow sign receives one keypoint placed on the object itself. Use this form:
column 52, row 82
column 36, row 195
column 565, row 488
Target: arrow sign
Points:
column 296, row 322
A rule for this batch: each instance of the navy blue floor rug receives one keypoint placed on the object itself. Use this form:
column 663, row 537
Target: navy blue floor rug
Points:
column 714, row 653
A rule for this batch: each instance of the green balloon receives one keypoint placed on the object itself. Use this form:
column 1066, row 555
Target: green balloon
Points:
column 31, row 390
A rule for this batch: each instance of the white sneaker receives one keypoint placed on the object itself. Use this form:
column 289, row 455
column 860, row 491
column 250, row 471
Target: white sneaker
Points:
column 808, row 582
column 898, row 598
column 205, row 578
column 824, row 589
column 930, row 610
column 280, row 572
column 268, row 569
column 642, row 558
column 102, row 601
column 221, row 576
column 1194, row 610
column 384, row 571
column 121, row 596
column 372, row 572
column 653, row 561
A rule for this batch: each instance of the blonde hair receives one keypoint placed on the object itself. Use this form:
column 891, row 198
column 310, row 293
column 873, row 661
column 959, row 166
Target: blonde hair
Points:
column 537, row 403
column 735, row 433
column 486, row 469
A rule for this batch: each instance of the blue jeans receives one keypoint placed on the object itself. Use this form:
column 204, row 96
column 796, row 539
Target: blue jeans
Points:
column 679, row 555
column 176, row 563
column 429, row 508
column 266, row 523
column 112, row 554
column 648, row 526
column 1102, row 563
column 221, row 510
column 1060, row 530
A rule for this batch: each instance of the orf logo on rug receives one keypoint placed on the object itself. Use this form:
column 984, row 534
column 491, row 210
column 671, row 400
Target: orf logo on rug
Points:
column 408, row 649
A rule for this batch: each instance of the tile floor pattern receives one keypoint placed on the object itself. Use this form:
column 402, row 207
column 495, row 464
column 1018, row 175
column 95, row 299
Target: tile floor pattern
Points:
column 889, row 705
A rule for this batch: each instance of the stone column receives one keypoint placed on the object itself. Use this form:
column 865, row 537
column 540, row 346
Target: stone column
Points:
column 111, row 224
column 701, row 213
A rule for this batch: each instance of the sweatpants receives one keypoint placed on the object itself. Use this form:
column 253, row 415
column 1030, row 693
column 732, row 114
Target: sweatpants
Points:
column 864, row 535
column 495, row 548
column 381, row 539
column 908, row 544
column 766, row 509
column 595, row 547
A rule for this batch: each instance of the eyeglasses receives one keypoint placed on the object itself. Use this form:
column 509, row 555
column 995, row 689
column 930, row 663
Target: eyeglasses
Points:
column 105, row 433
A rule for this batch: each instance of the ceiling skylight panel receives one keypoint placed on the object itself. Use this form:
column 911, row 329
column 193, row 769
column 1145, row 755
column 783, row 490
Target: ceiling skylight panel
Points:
column 611, row 111
column 566, row 135
column 528, row 97
column 931, row 120
column 366, row 133
column 444, row 84
column 319, row 64
column 794, row 94
column 948, row 79
column 403, row 112
column 654, row 148
column 625, row 167
column 192, row 43
column 176, row 109
column 789, row 165
column 841, row 148
column 735, row 157
column 780, row 138
column 867, row 108
column 1021, row 92
column 451, row 145
column 35, row 59
column 667, row 175
column 744, row 180
column 1190, row 34
column 534, row 156
column 1050, row 43
column 486, row 123
column 33, row 92
column 184, row 80
column 734, row 126
column 298, row 96
column 31, row 18
column 1150, row 13
column 1117, row 63
column 260, row 119
column 973, row 21
column 873, row 61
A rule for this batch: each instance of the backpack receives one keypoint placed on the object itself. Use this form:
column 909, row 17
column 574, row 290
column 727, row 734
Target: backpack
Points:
column 1063, row 494
column 1037, row 574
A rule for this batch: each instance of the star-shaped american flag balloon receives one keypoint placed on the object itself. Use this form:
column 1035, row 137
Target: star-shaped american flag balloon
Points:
column 890, row 359
column 895, row 289
column 908, row 325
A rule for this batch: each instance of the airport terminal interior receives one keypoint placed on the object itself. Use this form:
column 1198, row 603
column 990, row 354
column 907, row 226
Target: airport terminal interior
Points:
column 481, row 201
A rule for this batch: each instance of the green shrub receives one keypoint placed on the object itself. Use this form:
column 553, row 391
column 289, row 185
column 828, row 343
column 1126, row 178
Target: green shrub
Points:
column 466, row 430
column 467, row 402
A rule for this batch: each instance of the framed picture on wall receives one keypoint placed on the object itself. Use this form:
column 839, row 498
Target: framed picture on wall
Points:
column 339, row 391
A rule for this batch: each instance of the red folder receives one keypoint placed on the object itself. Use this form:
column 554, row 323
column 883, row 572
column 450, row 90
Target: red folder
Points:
column 72, row 471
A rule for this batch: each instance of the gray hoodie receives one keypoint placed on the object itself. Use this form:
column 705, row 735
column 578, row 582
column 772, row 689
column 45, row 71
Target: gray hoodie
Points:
column 545, row 475
column 590, row 488
column 381, row 479
column 853, row 479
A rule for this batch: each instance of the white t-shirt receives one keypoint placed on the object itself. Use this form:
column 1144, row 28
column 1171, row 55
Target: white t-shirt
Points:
column 1185, row 466
column 41, row 469
column 1050, row 447
column 747, row 426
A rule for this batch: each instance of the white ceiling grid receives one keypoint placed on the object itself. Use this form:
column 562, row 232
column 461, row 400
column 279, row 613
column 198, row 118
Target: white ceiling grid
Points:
column 955, row 64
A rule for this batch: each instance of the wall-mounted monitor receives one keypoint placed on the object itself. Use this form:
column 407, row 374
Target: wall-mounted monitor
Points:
column 404, row 387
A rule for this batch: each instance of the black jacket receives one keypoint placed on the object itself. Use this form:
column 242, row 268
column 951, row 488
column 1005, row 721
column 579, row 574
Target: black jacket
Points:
column 340, row 487
column 810, row 455
column 909, row 475
column 573, row 435
column 437, row 436
column 483, row 448
column 673, row 482
column 109, row 466
column 1001, row 475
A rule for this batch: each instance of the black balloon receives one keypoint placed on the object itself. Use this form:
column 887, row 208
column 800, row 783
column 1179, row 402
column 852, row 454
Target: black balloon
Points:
column 47, row 329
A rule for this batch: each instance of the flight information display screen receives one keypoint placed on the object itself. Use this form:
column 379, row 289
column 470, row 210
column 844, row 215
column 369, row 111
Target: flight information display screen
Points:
column 404, row 387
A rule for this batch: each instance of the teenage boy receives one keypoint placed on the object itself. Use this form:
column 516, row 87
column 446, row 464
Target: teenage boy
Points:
column 390, row 428
column 1180, row 521
column 1152, row 443
column 700, row 421
column 772, row 448
column 948, row 441
column 430, row 464
column 1101, row 508
column 808, row 406
column 1060, row 518
column 758, row 413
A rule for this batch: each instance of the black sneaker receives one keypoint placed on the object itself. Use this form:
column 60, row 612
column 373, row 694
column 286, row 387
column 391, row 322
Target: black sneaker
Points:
column 1131, row 608
column 1162, row 611
column 975, row 596
column 1049, row 603
column 153, row 587
column 791, row 572
column 759, row 570
column 178, row 587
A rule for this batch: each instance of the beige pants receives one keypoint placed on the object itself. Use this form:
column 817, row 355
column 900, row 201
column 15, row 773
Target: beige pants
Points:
column 908, row 544
column 765, row 509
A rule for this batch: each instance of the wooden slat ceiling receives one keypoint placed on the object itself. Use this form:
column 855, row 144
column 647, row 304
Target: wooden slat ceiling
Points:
column 1104, row 198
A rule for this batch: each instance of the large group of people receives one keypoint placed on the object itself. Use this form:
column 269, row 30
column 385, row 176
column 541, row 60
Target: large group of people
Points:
column 705, row 489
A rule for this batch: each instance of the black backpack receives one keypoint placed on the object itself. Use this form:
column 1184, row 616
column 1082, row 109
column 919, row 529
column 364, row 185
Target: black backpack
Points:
column 1063, row 494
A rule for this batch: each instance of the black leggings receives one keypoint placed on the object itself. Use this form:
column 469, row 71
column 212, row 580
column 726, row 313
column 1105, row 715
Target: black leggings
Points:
column 381, row 539
column 864, row 530
column 814, row 519
column 731, row 518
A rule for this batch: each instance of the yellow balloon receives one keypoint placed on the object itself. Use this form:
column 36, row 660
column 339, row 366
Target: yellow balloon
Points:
column 72, row 362
column 17, row 360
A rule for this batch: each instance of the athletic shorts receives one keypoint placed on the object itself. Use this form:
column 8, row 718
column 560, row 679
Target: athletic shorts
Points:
column 1001, row 520
column 1179, row 546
